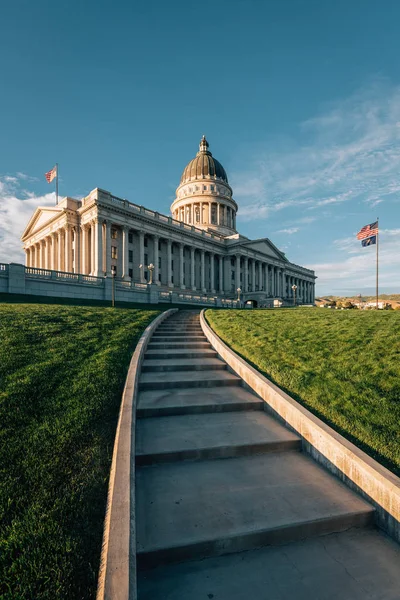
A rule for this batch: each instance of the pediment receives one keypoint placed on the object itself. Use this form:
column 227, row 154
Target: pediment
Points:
column 265, row 246
column 41, row 217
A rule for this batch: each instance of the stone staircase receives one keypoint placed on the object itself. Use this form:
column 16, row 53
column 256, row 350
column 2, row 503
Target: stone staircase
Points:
column 227, row 505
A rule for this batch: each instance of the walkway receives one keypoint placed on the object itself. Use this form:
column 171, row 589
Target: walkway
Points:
column 254, row 525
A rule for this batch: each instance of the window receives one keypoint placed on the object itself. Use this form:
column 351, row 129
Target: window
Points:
column 146, row 274
column 233, row 274
column 159, row 277
column 204, row 187
column 114, row 234
column 172, row 265
column 213, row 188
column 159, row 262
column 130, row 255
column 130, row 238
column 131, row 273
column 233, row 262
column 159, row 245
column 146, row 259
column 145, row 242
column 114, row 253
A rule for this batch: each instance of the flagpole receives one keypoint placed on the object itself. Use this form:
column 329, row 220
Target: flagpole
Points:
column 377, row 264
column 56, row 184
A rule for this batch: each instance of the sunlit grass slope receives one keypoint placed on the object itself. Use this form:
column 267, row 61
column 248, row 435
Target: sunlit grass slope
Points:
column 342, row 365
column 62, row 371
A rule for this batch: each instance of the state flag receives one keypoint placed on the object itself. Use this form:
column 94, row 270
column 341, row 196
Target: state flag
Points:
column 368, row 241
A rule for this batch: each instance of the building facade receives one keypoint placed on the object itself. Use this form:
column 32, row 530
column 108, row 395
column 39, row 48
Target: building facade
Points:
column 196, row 249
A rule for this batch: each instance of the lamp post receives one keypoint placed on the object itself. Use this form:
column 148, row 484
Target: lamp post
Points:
column 239, row 291
column 113, row 273
column 151, row 269
column 294, row 288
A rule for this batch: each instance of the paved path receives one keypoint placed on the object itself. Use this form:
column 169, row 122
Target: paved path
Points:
column 228, row 507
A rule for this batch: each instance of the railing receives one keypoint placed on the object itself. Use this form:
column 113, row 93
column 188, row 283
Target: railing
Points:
column 35, row 272
column 91, row 279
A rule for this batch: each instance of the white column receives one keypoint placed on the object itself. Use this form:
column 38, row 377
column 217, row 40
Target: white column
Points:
column 266, row 287
column 212, row 274
column 202, row 272
column 260, row 279
column 53, row 252
column 253, row 275
column 181, row 265
column 273, row 281
column 218, row 214
column 156, row 241
column 46, row 253
column 237, row 272
column 125, row 254
column 169, row 260
column 209, row 212
column 67, row 249
column 98, row 248
column 141, row 255
column 107, row 247
column 27, row 257
column 221, row 272
column 84, row 252
column 201, row 213
column 192, row 257
column 246, row 275
column 60, row 250
column 33, row 255
column 75, row 264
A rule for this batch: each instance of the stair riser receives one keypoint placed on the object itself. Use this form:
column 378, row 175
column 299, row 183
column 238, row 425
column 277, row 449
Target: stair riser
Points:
column 215, row 453
column 181, row 338
column 180, row 367
column 194, row 383
column 196, row 409
column 249, row 541
column 178, row 346
column 183, row 355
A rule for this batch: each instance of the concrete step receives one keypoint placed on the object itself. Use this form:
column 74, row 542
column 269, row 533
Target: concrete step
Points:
column 177, row 345
column 184, row 379
column 360, row 564
column 175, row 401
column 206, row 436
column 185, row 364
column 178, row 338
column 187, row 510
column 181, row 354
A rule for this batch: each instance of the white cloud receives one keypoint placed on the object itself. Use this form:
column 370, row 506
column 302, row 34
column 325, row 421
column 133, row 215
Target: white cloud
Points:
column 16, row 208
column 289, row 230
column 354, row 269
column 352, row 155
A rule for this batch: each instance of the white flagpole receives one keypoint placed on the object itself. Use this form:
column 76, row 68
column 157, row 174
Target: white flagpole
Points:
column 377, row 264
column 56, row 184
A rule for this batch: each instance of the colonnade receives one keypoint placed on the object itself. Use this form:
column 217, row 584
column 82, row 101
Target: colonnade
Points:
column 100, row 247
column 206, row 213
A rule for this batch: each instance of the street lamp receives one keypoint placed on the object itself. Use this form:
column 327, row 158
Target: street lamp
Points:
column 294, row 288
column 239, row 291
column 113, row 274
column 151, row 269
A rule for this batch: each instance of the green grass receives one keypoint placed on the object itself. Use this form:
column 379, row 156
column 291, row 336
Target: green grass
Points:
column 342, row 365
column 62, row 372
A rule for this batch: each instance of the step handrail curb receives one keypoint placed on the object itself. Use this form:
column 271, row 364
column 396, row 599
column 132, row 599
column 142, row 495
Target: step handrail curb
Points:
column 117, row 573
column 341, row 457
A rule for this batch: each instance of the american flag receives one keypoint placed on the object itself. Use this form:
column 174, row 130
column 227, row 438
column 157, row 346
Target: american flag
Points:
column 51, row 174
column 367, row 231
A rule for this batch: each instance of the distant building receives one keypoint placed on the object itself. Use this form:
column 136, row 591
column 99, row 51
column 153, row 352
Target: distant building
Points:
column 197, row 248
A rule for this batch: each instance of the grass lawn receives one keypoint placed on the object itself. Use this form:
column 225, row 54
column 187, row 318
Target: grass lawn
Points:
column 342, row 365
column 62, row 371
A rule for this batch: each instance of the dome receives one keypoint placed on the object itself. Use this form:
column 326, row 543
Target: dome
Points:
column 204, row 166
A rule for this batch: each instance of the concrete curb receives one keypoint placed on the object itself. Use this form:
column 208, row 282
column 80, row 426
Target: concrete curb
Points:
column 353, row 466
column 117, row 575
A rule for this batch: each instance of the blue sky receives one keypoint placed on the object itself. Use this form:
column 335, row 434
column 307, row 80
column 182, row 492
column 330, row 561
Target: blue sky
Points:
column 299, row 99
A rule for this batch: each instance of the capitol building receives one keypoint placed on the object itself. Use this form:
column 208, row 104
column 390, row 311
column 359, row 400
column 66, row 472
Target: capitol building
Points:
column 196, row 249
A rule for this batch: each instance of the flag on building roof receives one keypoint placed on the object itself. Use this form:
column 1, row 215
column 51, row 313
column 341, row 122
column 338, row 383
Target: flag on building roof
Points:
column 51, row 174
column 368, row 231
column 368, row 241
